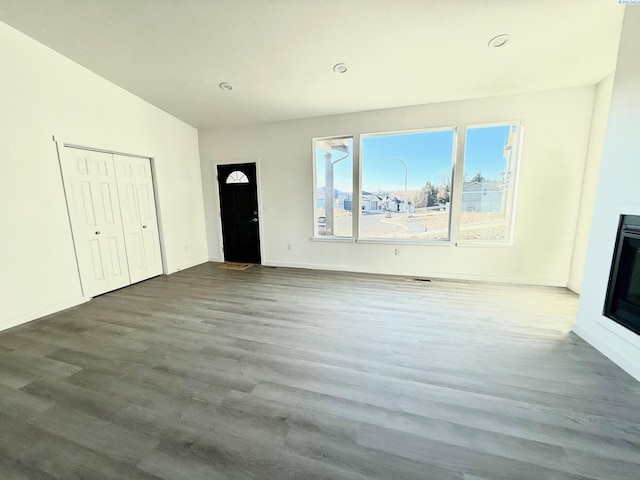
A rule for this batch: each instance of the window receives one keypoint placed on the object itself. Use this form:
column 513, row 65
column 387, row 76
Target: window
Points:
column 237, row 177
column 406, row 185
column 490, row 158
column 400, row 185
column 333, row 182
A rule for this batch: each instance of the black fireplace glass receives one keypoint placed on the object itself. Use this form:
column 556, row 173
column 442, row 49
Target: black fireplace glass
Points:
column 623, row 294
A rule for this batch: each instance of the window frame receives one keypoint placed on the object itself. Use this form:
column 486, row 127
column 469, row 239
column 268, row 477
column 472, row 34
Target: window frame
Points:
column 355, row 203
column 457, row 182
column 454, row 154
column 512, row 198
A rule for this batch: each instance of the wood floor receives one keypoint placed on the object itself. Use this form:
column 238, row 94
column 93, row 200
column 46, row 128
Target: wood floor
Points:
column 274, row 373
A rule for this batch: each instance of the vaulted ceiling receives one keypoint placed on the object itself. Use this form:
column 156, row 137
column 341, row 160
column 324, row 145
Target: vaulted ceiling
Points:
column 279, row 54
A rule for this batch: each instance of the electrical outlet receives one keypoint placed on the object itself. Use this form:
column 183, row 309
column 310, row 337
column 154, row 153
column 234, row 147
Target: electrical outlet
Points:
column 397, row 252
column 289, row 246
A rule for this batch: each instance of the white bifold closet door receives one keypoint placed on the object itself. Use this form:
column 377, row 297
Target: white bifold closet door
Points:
column 113, row 218
column 139, row 219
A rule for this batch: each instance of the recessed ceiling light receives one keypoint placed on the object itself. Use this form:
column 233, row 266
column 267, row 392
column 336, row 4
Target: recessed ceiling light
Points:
column 227, row 87
column 499, row 41
column 340, row 68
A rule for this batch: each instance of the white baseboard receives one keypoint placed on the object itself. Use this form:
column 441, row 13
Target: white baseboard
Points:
column 189, row 264
column 608, row 351
column 200, row 261
column 434, row 275
column 43, row 312
column 216, row 259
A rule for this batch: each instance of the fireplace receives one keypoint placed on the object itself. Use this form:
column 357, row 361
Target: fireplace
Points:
column 623, row 293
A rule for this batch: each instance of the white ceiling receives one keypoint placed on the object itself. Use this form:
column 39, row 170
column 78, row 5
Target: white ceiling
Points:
column 279, row 54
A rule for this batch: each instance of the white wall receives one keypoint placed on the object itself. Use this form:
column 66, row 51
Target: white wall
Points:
column 618, row 193
column 590, row 181
column 555, row 145
column 42, row 94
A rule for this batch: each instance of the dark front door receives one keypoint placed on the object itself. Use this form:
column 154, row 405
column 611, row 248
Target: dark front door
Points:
column 239, row 212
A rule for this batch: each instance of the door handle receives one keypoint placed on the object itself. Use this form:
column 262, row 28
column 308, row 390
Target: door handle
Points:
column 98, row 232
column 254, row 220
column 144, row 226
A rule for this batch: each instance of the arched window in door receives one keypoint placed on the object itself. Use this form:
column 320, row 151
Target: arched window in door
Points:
column 237, row 177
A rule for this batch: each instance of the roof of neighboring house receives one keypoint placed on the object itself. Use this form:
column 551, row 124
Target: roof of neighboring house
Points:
column 370, row 196
column 396, row 200
column 488, row 184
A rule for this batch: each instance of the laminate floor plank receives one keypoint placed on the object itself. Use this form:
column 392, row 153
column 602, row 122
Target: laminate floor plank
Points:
column 144, row 373
column 427, row 371
column 76, row 398
column 118, row 443
column 18, row 471
column 20, row 404
column 129, row 391
column 37, row 365
column 287, row 374
column 482, row 460
column 67, row 460
column 370, row 463
column 293, row 373
column 445, row 375
column 440, row 421
column 237, row 458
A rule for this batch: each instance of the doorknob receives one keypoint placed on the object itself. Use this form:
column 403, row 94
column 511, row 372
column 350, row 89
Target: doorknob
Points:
column 254, row 220
column 98, row 232
column 144, row 226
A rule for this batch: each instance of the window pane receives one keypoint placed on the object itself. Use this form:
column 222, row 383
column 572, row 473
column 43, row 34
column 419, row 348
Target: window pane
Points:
column 406, row 185
column 489, row 177
column 334, row 187
column 237, row 177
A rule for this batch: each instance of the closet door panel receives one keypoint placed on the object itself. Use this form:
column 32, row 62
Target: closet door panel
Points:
column 140, row 224
column 131, row 225
column 94, row 212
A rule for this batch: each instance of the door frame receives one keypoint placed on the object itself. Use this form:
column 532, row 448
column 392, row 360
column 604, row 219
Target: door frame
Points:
column 262, row 207
column 61, row 142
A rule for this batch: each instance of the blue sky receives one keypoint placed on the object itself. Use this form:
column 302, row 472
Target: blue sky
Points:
column 428, row 155
column 484, row 150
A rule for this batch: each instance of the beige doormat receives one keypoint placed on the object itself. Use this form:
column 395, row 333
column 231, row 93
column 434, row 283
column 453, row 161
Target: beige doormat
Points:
column 235, row 266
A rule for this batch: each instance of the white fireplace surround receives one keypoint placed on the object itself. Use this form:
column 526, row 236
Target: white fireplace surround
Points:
column 617, row 195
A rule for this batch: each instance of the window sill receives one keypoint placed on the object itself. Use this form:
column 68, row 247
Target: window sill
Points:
column 402, row 241
column 408, row 241
column 333, row 239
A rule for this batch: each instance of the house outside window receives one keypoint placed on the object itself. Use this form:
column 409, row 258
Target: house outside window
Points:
column 488, row 189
